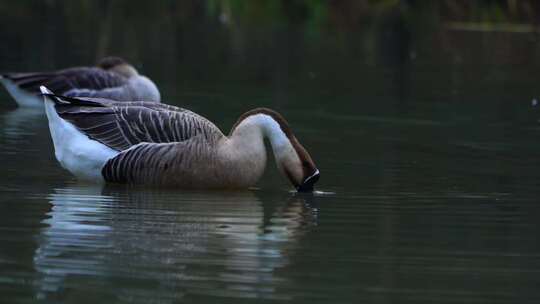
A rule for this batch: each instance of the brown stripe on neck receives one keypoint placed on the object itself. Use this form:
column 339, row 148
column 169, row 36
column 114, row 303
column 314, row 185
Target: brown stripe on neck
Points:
column 308, row 165
column 283, row 124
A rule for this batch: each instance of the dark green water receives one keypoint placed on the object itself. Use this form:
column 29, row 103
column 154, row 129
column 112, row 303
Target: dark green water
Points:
column 424, row 134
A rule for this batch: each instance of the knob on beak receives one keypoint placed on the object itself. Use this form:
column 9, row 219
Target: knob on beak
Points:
column 307, row 184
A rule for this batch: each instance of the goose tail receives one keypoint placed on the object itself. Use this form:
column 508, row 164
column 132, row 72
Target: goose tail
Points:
column 73, row 149
column 66, row 100
column 49, row 99
column 49, row 96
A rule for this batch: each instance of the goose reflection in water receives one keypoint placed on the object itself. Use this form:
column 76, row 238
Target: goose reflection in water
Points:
column 175, row 244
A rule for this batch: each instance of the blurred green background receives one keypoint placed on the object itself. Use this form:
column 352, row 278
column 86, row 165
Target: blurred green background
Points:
column 359, row 49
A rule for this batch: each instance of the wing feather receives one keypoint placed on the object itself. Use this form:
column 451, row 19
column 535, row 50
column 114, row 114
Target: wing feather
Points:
column 74, row 80
column 121, row 125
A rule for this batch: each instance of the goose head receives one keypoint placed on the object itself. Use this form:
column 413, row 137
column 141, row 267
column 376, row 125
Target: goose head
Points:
column 118, row 65
column 296, row 164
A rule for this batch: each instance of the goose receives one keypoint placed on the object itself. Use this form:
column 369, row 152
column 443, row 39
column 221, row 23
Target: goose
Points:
column 112, row 78
column 146, row 143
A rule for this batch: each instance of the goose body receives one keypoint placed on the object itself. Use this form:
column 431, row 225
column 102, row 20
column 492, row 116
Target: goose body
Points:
column 113, row 78
column 157, row 144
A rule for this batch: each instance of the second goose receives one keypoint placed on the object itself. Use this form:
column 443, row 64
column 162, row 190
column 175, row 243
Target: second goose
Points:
column 112, row 78
column 150, row 143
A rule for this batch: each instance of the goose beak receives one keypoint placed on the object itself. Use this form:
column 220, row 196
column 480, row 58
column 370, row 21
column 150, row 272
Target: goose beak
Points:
column 307, row 184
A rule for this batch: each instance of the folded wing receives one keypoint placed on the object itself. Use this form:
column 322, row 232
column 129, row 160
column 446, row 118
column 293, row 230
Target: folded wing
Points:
column 121, row 125
column 79, row 81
